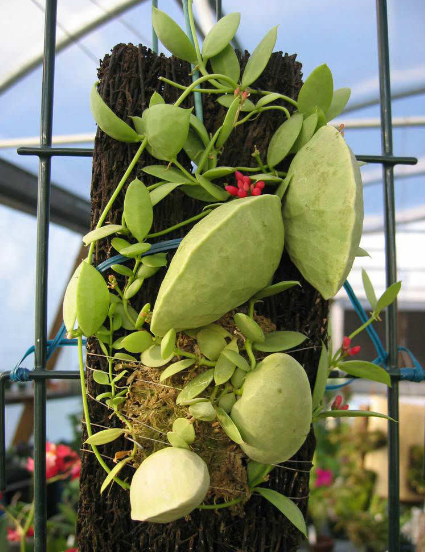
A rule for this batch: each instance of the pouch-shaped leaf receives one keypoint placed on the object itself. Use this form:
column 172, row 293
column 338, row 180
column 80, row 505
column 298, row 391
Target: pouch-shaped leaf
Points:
column 168, row 343
column 228, row 123
column 339, row 101
column 167, row 127
column 226, row 63
column 195, row 387
column 366, row 370
column 156, row 260
column 185, row 429
column 177, row 440
column 163, row 172
column 220, row 35
column 135, row 249
column 259, row 58
column 92, row 299
column 228, row 99
column 227, row 401
column 101, row 377
column 285, row 505
column 113, row 473
column 210, row 343
column 317, row 90
column 388, row 297
column 156, row 99
column 274, row 289
column 307, row 131
column 176, row 368
column 203, row 411
column 280, row 341
column 229, row 426
column 132, row 289
column 323, row 211
column 138, row 210
column 102, row 232
column 152, row 357
column 212, row 189
column 369, row 289
column 172, row 36
column 110, row 123
column 137, row 342
column 321, row 377
column 283, row 139
column 182, row 301
column 249, row 327
column 105, row 436
column 236, row 359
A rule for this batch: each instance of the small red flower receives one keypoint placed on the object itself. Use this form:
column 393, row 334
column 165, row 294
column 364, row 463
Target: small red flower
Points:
column 246, row 180
column 256, row 191
column 354, row 350
column 240, row 183
column 345, row 407
column 260, row 184
column 346, row 342
column 337, row 404
column 242, row 193
column 232, row 190
column 239, row 175
column 13, row 535
column 244, row 186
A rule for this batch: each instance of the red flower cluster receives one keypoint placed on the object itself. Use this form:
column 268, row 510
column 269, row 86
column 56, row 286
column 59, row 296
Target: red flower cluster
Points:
column 337, row 404
column 13, row 535
column 244, row 187
column 60, row 460
column 346, row 342
column 323, row 478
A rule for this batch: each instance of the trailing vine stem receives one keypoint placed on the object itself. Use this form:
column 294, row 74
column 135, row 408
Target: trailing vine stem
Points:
column 205, row 78
column 180, row 224
column 221, row 506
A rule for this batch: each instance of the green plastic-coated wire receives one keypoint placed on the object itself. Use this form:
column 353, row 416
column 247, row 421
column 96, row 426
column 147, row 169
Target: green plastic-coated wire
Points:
column 195, row 75
column 154, row 36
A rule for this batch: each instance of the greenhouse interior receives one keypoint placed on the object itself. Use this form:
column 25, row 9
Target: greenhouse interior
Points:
column 250, row 378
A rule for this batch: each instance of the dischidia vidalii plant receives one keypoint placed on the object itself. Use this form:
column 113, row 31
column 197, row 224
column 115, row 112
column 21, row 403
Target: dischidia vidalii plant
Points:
column 229, row 365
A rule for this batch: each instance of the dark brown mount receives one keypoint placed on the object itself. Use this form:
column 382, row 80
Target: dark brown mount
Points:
column 128, row 78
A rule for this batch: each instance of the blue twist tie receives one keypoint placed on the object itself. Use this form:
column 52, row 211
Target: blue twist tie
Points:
column 20, row 374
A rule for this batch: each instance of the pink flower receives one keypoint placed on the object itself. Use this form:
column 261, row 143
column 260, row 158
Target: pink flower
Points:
column 346, row 342
column 323, row 478
column 337, row 404
column 354, row 350
column 72, row 550
column 13, row 535
column 60, row 460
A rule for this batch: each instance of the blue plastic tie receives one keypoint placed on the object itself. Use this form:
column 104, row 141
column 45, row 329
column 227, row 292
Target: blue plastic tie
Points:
column 20, row 374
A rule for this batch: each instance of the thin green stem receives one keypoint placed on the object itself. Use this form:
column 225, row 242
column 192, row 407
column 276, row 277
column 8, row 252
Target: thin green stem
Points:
column 101, row 461
column 276, row 107
column 193, row 31
column 221, row 506
column 248, row 348
column 207, row 151
column 205, row 78
column 363, row 327
column 251, row 309
column 179, row 352
column 179, row 225
column 184, row 171
column 110, row 362
column 247, row 117
column 204, row 362
column 201, row 90
column 116, row 192
column 281, row 96
column 257, row 157
column 28, row 522
column 125, row 306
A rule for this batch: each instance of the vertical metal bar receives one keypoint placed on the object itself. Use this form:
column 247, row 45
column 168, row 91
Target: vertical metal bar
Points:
column 154, row 36
column 195, row 75
column 43, row 216
column 218, row 9
column 391, row 275
column 3, row 379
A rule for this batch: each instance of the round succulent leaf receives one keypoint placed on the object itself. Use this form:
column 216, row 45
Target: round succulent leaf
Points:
column 238, row 378
column 223, row 370
column 317, row 90
column 218, row 172
column 163, row 172
column 168, row 343
column 119, row 244
column 92, row 299
column 132, row 289
column 195, row 387
column 177, row 440
column 110, row 123
column 220, row 35
column 323, row 211
column 226, row 63
column 137, row 342
column 172, row 36
column 102, row 232
column 249, row 327
column 228, row 100
column 156, row 260
column 135, row 249
column 138, row 210
column 339, row 101
column 280, row 341
column 283, row 139
column 127, row 324
column 182, row 302
column 237, row 359
column 168, row 485
column 274, row 289
column 147, row 271
column 227, row 401
column 259, row 58
column 70, row 300
column 121, row 269
column 156, row 99
column 229, row 426
column 152, row 357
column 212, row 189
column 167, row 127
column 101, row 377
column 203, row 411
column 176, row 367
column 210, row 343
column 185, row 429
column 307, row 130
column 274, row 412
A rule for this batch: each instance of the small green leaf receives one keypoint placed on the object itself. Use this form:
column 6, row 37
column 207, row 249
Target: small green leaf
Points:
column 388, row 297
column 275, row 289
column 156, row 99
column 228, row 99
column 138, row 210
column 137, row 342
column 268, row 98
column 226, row 63
column 155, row 260
column 172, row 36
column 70, row 300
column 280, row 341
column 159, row 193
column 197, row 192
column 203, row 411
column 141, row 317
column 119, row 244
column 105, row 436
column 238, row 378
column 227, row 401
column 218, row 172
column 257, row 472
column 210, row 343
column 164, row 173
column 362, row 252
column 283, row 139
column 317, row 90
column 168, row 343
column 132, row 289
column 108, row 394
column 228, row 123
column 195, row 387
column 307, row 131
column 369, row 290
column 280, row 192
column 339, row 101
column 185, row 429
column 259, row 58
column 152, row 357
column 194, row 146
column 135, row 250
column 176, row 440
column 120, row 376
column 117, row 344
column 113, row 473
column 266, row 178
column 102, row 232
column 92, row 299
column 236, row 359
column 321, row 377
column 215, row 191
column 176, row 368
column 220, row 35
column 352, row 414
column 217, row 329
column 167, row 127
column 249, row 327
column 127, row 324
column 366, row 370
column 101, row 377
column 288, row 508
column 106, row 119
column 121, row 269
column 229, row 426
column 224, row 369
column 124, row 356
column 147, row 271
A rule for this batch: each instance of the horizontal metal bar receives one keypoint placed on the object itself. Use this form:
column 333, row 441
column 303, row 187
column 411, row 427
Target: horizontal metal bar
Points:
column 375, row 122
column 387, row 159
column 47, row 374
column 19, row 398
column 47, row 151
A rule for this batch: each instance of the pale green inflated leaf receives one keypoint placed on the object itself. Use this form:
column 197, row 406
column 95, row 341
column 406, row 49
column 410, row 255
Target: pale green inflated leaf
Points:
column 259, row 58
column 121, row 269
column 110, row 123
column 105, row 436
column 238, row 378
column 212, row 189
column 176, row 368
column 366, row 370
column 229, row 426
column 228, row 99
column 274, row 289
column 339, row 101
column 203, row 411
column 135, row 249
column 157, row 260
column 388, row 297
column 101, row 377
column 226, row 63
column 113, row 473
column 163, row 172
column 307, row 131
column 168, row 343
column 132, row 289
column 92, row 300
column 70, row 300
column 369, row 289
column 249, row 327
column 138, row 210
column 220, row 35
column 185, row 429
column 102, row 232
column 321, row 377
column 228, row 123
column 181, row 302
column 159, row 193
column 172, row 36
column 210, row 343
column 195, row 387
column 236, row 359
column 317, row 90
column 167, row 127
column 288, row 508
column 283, row 139
column 156, row 99
column 227, row 401
column 152, row 357
column 280, row 341
column 323, row 211
column 137, row 342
